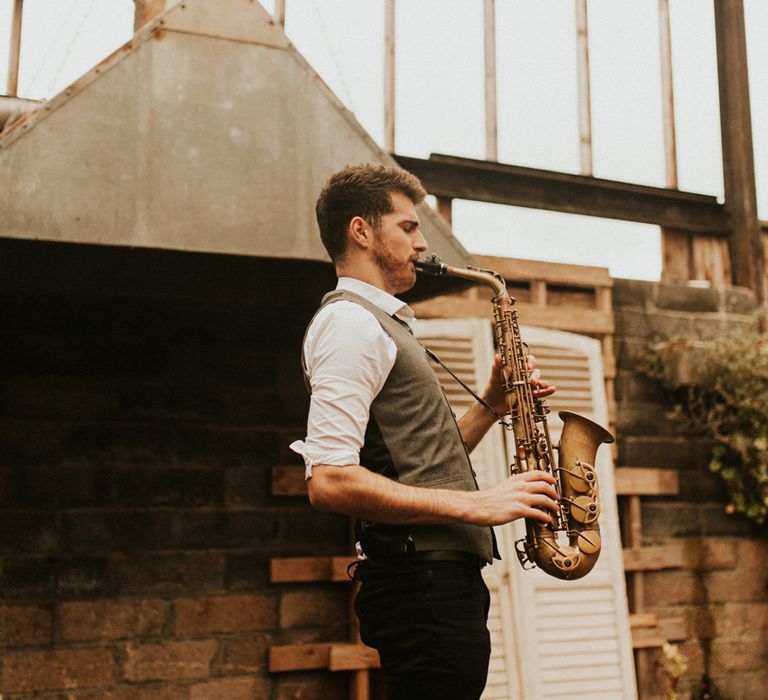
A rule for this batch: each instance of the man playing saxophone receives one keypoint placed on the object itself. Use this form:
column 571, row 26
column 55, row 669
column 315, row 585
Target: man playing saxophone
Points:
column 384, row 446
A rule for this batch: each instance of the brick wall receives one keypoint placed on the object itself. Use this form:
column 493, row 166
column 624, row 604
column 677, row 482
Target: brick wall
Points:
column 142, row 410
column 722, row 588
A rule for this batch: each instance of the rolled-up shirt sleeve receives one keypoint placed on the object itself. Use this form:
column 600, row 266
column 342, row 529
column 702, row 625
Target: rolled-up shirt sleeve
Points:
column 348, row 358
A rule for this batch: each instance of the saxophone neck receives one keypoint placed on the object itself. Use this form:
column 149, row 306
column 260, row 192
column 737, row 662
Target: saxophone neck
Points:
column 434, row 266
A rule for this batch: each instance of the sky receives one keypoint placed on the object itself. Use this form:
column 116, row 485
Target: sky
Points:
column 439, row 103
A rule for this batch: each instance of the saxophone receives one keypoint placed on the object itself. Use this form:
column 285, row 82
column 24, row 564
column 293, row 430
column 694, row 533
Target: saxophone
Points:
column 569, row 546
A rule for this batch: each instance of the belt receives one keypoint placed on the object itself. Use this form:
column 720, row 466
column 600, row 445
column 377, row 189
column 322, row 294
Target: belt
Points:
column 447, row 555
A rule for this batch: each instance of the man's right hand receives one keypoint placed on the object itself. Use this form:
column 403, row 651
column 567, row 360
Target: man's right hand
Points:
column 529, row 494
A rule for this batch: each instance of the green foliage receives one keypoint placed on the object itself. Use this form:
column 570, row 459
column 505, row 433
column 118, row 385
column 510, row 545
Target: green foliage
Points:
column 728, row 402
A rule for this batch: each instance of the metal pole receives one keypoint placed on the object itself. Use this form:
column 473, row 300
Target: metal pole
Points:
column 15, row 49
column 389, row 75
column 746, row 245
column 491, row 126
column 668, row 95
column 582, row 69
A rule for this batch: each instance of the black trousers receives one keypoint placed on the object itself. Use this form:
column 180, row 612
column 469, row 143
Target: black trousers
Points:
column 427, row 619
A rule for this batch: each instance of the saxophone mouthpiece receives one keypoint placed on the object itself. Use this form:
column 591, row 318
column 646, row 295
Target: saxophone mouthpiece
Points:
column 431, row 266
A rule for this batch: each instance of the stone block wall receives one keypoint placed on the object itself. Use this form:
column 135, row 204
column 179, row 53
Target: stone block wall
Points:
column 721, row 590
column 138, row 435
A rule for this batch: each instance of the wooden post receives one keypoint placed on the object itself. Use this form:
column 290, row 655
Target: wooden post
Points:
column 14, row 52
column 667, row 95
column 445, row 208
column 585, row 108
column 145, row 11
column 491, row 126
column 389, row 75
column 280, row 12
column 746, row 245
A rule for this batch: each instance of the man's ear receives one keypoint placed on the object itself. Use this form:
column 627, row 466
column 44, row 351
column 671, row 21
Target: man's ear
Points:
column 359, row 232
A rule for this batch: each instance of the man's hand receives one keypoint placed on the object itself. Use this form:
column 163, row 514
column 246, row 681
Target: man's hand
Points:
column 494, row 393
column 527, row 495
column 543, row 389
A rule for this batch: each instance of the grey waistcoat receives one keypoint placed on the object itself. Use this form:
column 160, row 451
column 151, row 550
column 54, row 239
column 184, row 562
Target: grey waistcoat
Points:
column 412, row 437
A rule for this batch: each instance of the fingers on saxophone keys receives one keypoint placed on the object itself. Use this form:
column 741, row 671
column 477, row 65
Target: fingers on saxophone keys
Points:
column 544, row 501
column 537, row 475
column 543, row 516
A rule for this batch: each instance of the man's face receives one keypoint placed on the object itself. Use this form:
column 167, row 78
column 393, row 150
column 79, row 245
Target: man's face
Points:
column 398, row 243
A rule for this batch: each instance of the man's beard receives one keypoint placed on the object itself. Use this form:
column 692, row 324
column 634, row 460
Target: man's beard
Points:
column 399, row 274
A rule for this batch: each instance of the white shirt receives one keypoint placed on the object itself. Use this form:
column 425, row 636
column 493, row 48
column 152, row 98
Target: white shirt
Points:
column 348, row 358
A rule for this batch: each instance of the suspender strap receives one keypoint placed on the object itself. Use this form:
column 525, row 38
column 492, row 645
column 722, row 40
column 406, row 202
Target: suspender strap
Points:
column 433, row 356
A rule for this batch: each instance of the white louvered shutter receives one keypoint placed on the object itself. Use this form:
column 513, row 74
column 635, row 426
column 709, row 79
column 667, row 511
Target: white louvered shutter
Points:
column 466, row 346
column 551, row 638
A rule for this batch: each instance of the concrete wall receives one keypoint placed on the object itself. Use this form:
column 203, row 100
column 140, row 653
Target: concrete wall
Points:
column 145, row 398
column 722, row 589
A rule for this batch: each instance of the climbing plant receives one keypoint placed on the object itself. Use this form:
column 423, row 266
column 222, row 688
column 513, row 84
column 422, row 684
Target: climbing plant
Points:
column 727, row 401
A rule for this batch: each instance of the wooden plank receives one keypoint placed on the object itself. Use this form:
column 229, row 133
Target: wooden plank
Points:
column 516, row 270
column 643, row 620
column 644, row 481
column 389, row 75
column 299, row 657
column 445, row 208
column 306, row 569
column 327, row 655
column 491, row 127
column 500, row 183
column 675, row 255
column 352, row 657
column 288, row 481
column 672, row 629
column 15, row 49
column 711, row 260
column 582, row 74
column 575, row 320
column 669, row 556
column 745, row 244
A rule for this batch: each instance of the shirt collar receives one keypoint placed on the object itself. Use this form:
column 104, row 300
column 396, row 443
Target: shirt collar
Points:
column 385, row 301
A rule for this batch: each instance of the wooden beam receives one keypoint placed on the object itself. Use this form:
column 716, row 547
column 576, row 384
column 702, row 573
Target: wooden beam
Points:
column 327, row 655
column 482, row 181
column 643, row 620
column 305, row 569
column 667, row 95
column 145, row 11
column 299, row 657
column 516, row 270
column 288, row 481
column 489, row 34
column 644, row 481
column 585, row 97
column 669, row 556
column 746, row 246
column 575, row 320
column 14, row 49
column 390, row 101
column 352, row 657
column 672, row 629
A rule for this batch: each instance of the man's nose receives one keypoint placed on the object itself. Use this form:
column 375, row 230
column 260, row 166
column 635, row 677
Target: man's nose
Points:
column 420, row 243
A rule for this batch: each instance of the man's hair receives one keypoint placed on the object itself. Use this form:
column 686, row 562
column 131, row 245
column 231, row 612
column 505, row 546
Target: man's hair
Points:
column 360, row 190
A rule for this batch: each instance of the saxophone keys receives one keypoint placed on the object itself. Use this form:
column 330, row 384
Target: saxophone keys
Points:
column 589, row 541
column 581, row 478
column 584, row 509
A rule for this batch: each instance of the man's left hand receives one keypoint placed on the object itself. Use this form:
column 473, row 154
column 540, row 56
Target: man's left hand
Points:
column 495, row 395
